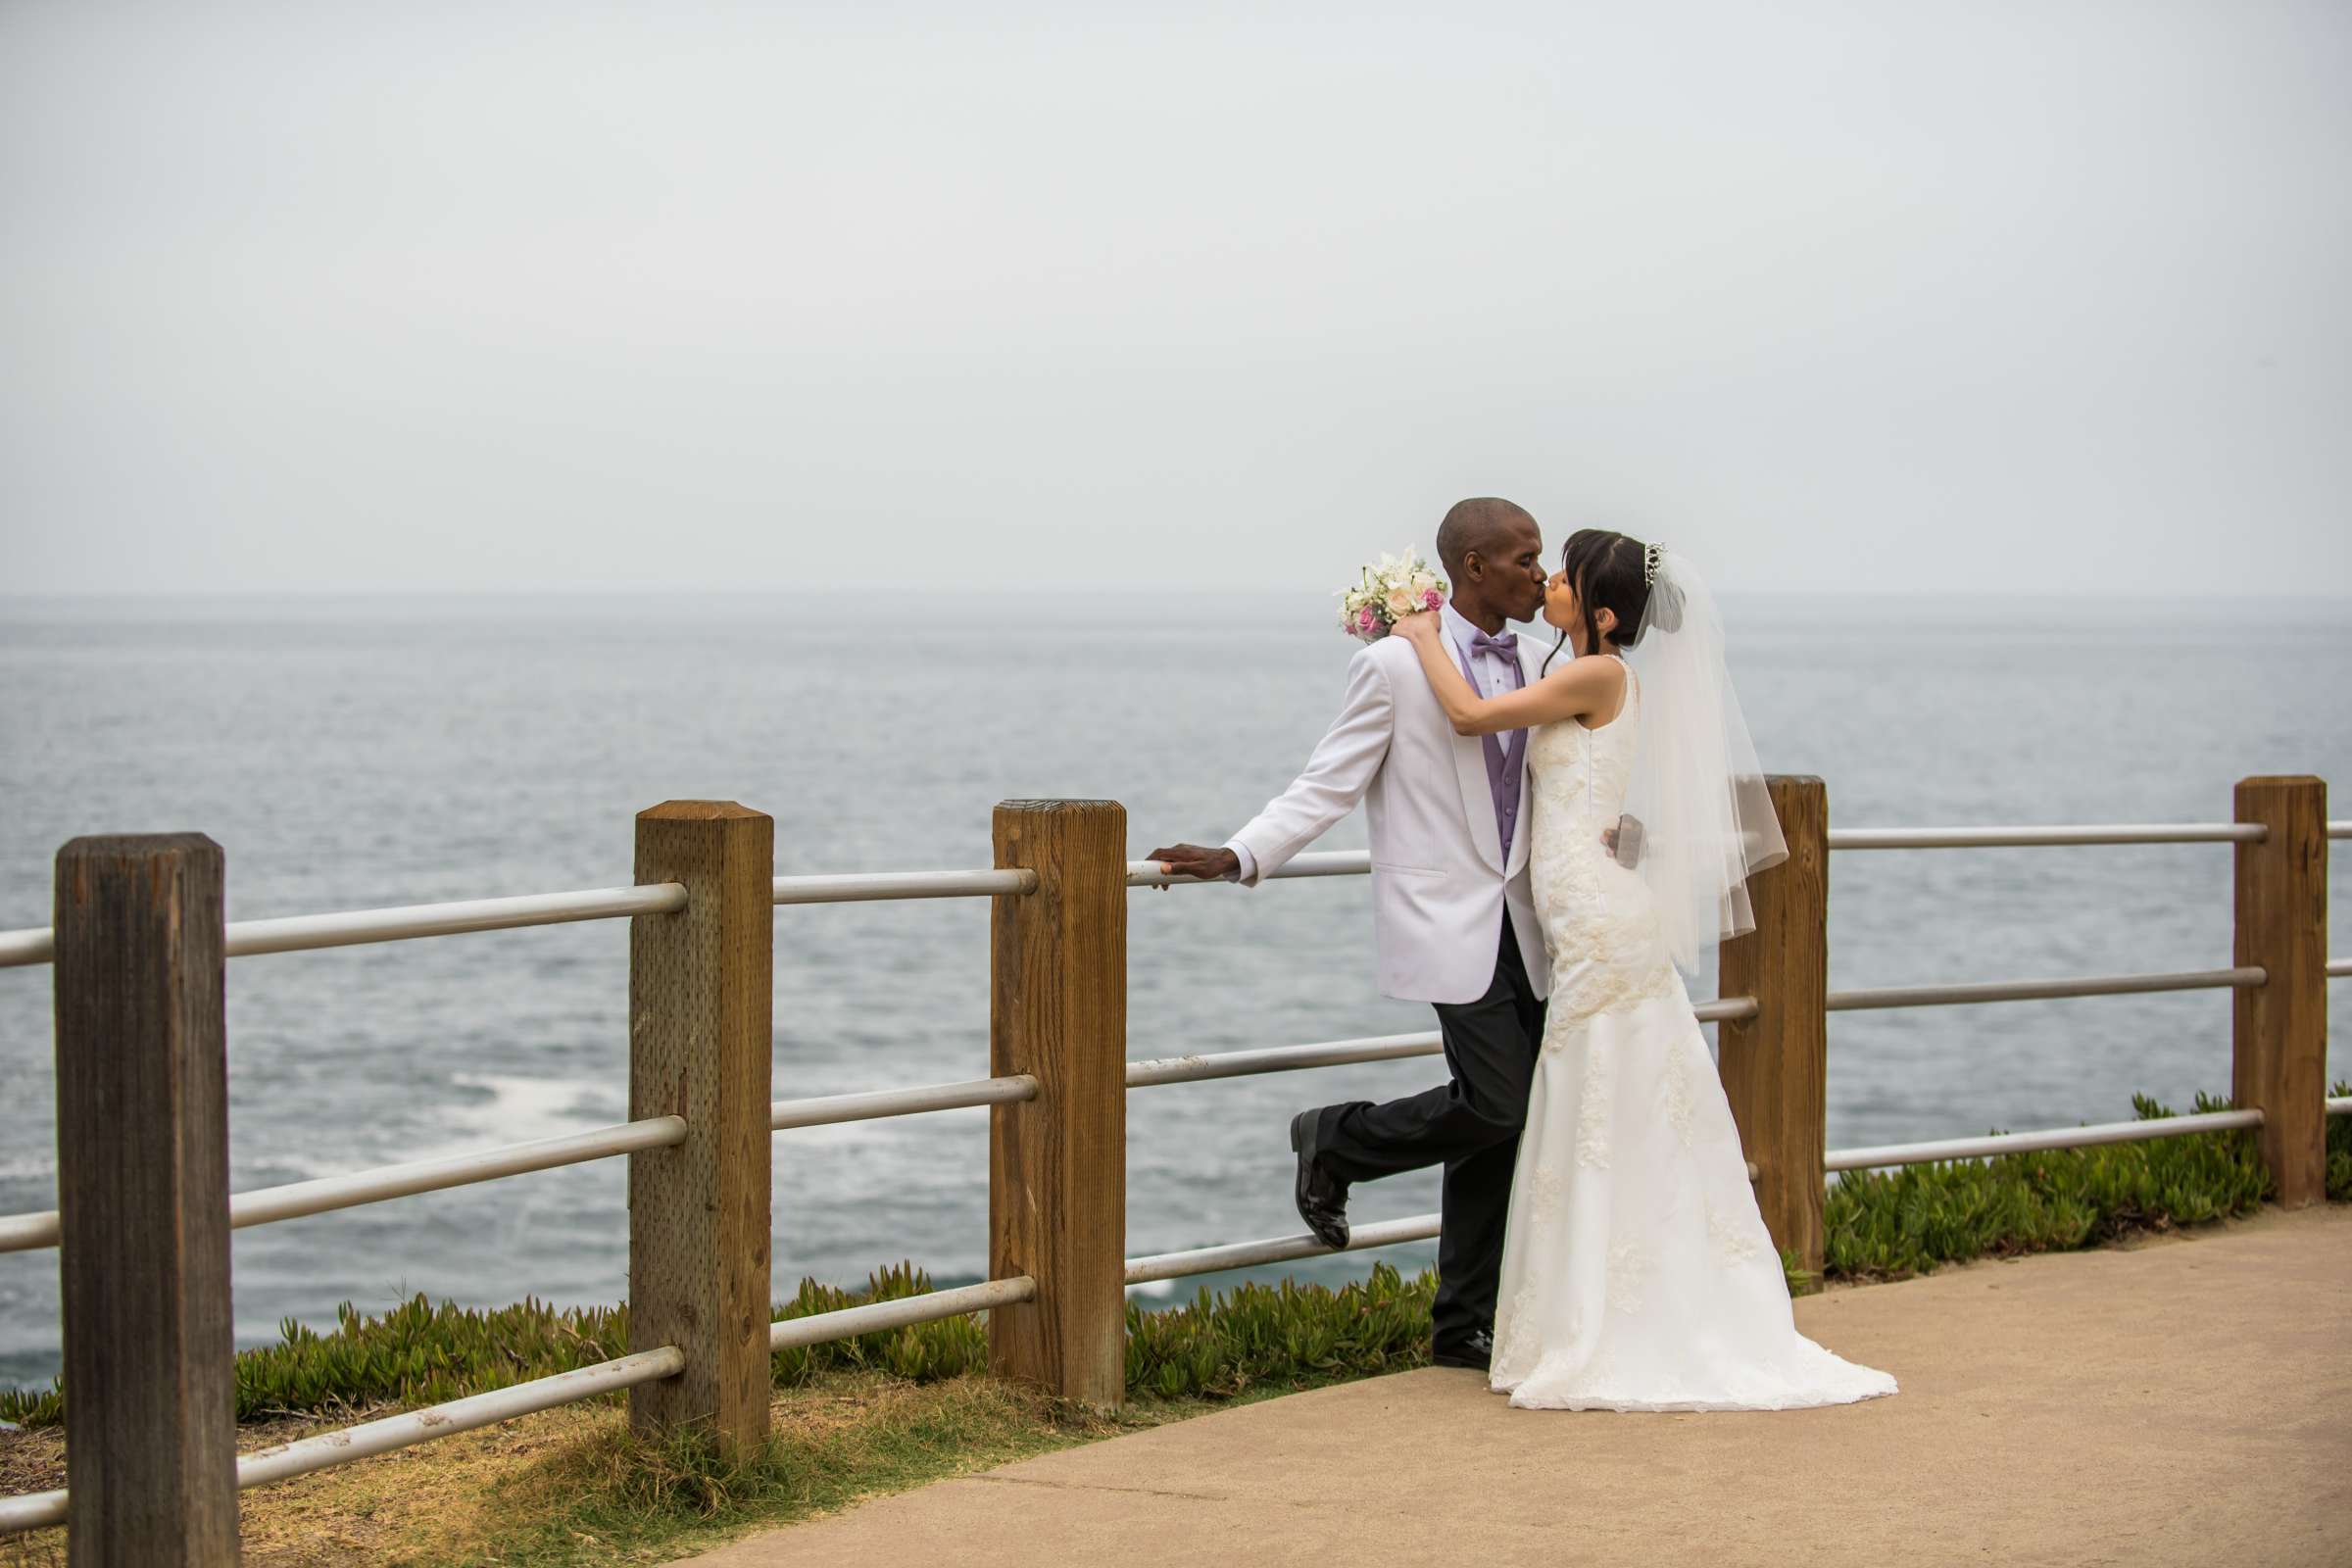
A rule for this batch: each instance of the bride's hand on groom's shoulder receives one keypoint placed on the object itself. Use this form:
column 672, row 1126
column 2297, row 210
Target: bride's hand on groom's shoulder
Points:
column 1419, row 627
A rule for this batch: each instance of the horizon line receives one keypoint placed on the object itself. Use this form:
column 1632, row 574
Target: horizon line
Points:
column 1070, row 590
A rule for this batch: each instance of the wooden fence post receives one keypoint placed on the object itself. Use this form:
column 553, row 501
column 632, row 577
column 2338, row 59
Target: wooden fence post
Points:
column 1775, row 1066
column 142, row 1188
column 1057, row 1164
column 2278, row 1036
column 700, row 1044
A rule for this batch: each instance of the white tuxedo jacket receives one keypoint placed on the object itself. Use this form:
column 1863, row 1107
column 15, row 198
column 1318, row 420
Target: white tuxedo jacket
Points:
column 1440, row 883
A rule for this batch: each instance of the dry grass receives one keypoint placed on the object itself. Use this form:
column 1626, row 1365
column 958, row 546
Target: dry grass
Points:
column 378, row 1511
column 572, row 1487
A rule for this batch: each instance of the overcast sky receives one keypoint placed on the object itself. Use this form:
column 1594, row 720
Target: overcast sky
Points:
column 2005, row 295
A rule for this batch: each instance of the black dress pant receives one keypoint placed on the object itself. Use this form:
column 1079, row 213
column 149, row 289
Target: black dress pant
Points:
column 1469, row 1125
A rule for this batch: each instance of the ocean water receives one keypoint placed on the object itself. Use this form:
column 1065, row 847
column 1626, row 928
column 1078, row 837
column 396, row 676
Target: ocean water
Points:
column 350, row 753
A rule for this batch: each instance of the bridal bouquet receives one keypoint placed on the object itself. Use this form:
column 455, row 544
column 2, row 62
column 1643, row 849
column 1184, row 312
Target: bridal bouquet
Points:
column 1385, row 593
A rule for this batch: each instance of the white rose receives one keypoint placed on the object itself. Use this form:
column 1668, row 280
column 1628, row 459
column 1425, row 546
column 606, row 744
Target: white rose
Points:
column 1402, row 602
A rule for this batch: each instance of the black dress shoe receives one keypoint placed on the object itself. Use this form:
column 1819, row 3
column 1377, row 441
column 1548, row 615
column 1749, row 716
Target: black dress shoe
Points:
column 1477, row 1352
column 1322, row 1198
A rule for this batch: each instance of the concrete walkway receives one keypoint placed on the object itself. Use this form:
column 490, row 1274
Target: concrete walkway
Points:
column 2184, row 1402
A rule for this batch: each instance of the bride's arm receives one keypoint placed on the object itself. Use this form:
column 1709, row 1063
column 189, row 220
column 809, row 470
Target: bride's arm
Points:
column 1581, row 686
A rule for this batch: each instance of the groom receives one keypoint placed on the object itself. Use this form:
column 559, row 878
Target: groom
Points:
column 1452, row 913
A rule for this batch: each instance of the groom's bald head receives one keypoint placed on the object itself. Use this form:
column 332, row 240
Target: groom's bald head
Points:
column 1486, row 524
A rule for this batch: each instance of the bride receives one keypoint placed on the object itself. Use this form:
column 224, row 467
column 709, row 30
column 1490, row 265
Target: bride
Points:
column 1637, row 1272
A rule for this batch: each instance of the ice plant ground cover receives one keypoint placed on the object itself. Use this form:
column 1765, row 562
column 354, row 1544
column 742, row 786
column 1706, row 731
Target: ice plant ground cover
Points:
column 1880, row 1225
column 1387, row 591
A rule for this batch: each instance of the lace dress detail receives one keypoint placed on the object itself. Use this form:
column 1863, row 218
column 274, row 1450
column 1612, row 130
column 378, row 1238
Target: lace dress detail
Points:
column 1599, row 929
column 1636, row 1273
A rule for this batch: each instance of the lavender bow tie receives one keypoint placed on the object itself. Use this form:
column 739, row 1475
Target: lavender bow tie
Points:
column 1506, row 646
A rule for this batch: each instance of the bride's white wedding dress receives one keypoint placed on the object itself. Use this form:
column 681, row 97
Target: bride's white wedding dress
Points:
column 1637, row 1272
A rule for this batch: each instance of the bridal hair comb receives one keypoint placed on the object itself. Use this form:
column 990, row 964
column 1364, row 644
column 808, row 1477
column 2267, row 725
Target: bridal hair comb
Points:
column 1649, row 564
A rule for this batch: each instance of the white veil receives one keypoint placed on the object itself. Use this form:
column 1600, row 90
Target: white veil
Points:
column 1707, row 823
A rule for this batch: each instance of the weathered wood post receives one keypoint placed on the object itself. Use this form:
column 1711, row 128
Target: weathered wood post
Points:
column 1775, row 1066
column 2279, row 1039
column 1057, row 1164
column 142, row 1190
column 700, row 1036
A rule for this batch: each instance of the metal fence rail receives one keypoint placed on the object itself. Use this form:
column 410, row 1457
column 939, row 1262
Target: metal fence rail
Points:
column 1989, row 838
column 265, row 1205
column 1157, row 1070
column 821, row 1328
column 2095, row 985
column 32, row 1511
column 881, row 886
column 1277, row 1249
column 826, row 1109
column 297, row 933
column 1281, row 1059
column 1355, row 863
column 34, row 944
column 270, row 1205
column 2114, row 1132
column 1314, row 862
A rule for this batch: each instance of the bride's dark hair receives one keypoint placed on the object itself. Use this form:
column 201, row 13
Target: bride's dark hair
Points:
column 1606, row 569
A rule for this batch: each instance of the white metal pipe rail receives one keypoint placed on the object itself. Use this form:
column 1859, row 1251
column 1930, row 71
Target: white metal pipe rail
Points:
column 1157, row 1070
column 2094, row 985
column 265, row 1205
column 270, row 1205
column 1314, row 862
column 826, row 1109
column 1277, row 1249
column 1988, row 837
column 879, row 886
column 297, row 933
column 35, row 944
column 2114, row 1132
column 2341, row 1107
column 1357, row 862
column 822, row 1327
column 32, row 1511
column 1281, row 1059
column 23, row 1232
column 290, row 1459
column 2337, row 968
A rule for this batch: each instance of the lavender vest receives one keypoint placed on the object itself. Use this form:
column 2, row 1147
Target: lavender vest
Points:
column 1502, row 761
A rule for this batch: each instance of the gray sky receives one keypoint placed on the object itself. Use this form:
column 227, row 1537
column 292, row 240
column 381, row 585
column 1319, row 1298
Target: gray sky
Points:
column 2011, row 295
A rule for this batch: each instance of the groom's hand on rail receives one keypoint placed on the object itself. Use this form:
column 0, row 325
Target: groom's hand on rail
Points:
column 1190, row 859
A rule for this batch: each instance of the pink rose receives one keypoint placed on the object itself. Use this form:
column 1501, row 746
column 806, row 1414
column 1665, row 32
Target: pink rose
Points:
column 1366, row 618
column 1432, row 599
